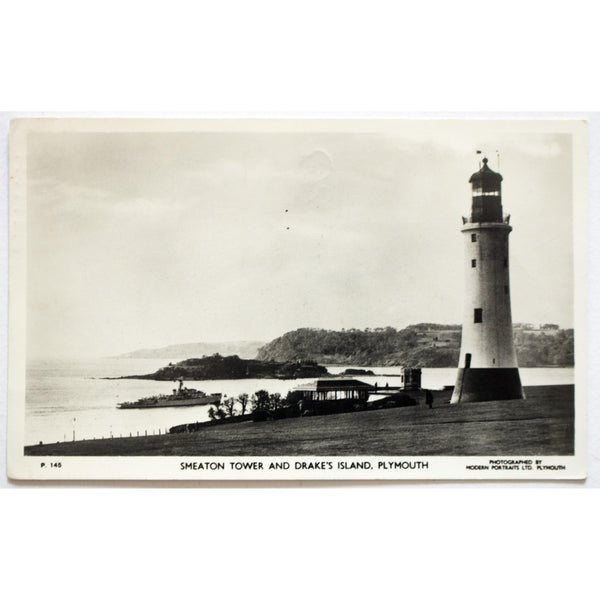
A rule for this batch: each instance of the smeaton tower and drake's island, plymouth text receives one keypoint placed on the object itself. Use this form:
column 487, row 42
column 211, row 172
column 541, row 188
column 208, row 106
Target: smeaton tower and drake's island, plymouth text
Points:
column 487, row 367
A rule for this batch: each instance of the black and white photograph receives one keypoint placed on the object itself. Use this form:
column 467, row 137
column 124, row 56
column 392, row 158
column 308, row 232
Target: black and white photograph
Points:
column 297, row 299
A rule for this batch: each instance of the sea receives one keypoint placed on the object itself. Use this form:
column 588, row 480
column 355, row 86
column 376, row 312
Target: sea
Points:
column 72, row 399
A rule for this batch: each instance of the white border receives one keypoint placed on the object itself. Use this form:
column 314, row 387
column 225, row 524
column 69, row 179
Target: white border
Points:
column 162, row 468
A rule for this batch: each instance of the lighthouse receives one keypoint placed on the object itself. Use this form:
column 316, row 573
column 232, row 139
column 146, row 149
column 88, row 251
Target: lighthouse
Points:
column 487, row 368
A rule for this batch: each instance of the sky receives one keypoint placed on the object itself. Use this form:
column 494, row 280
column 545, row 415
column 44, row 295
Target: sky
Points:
column 140, row 239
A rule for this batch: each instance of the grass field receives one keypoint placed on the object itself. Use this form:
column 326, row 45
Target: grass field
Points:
column 541, row 425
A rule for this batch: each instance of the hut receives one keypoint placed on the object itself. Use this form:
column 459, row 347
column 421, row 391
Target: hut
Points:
column 410, row 378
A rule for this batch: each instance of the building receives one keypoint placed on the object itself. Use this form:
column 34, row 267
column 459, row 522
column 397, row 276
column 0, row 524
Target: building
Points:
column 333, row 395
column 327, row 389
column 487, row 367
column 410, row 378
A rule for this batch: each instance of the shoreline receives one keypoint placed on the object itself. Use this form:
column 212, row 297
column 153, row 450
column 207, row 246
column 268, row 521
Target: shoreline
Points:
column 542, row 424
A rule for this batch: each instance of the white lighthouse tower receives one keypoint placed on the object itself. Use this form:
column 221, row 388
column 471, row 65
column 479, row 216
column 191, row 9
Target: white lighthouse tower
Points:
column 487, row 368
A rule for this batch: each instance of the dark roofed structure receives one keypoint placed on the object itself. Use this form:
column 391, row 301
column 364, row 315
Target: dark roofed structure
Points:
column 487, row 196
column 327, row 384
column 334, row 389
column 328, row 395
column 485, row 174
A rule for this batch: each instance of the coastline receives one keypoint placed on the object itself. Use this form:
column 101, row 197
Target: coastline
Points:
column 543, row 425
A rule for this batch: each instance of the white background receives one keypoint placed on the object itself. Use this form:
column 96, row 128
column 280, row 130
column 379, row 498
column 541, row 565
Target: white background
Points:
column 300, row 59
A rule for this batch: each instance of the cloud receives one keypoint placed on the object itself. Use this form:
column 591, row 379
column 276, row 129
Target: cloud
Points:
column 544, row 147
column 488, row 136
column 221, row 235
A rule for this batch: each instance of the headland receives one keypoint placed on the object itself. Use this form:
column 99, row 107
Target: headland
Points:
column 233, row 367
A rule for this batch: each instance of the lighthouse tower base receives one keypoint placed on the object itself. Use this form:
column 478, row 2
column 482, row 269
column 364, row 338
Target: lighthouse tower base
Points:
column 481, row 385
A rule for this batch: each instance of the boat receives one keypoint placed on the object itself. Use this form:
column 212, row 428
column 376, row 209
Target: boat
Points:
column 180, row 397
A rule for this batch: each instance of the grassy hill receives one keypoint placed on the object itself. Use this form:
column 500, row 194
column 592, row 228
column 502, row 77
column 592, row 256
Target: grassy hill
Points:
column 541, row 425
column 422, row 345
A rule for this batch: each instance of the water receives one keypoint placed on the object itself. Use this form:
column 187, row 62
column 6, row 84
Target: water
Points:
column 66, row 398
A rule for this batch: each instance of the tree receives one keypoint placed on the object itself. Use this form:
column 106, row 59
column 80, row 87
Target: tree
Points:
column 260, row 400
column 229, row 404
column 275, row 401
column 216, row 413
column 293, row 398
column 243, row 401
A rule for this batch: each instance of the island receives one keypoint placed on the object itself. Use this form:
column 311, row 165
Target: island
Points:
column 233, row 367
column 362, row 372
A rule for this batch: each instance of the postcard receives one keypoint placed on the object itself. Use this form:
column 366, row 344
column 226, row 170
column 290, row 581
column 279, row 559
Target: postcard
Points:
column 263, row 299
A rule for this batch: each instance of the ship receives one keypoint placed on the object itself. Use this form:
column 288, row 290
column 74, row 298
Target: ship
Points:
column 180, row 397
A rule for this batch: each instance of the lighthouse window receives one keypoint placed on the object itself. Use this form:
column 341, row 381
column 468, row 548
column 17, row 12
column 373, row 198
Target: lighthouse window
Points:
column 505, row 263
column 478, row 315
column 506, row 289
column 479, row 191
column 474, row 263
column 473, row 237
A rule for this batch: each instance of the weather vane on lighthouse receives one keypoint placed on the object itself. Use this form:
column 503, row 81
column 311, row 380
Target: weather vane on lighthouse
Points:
column 487, row 367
